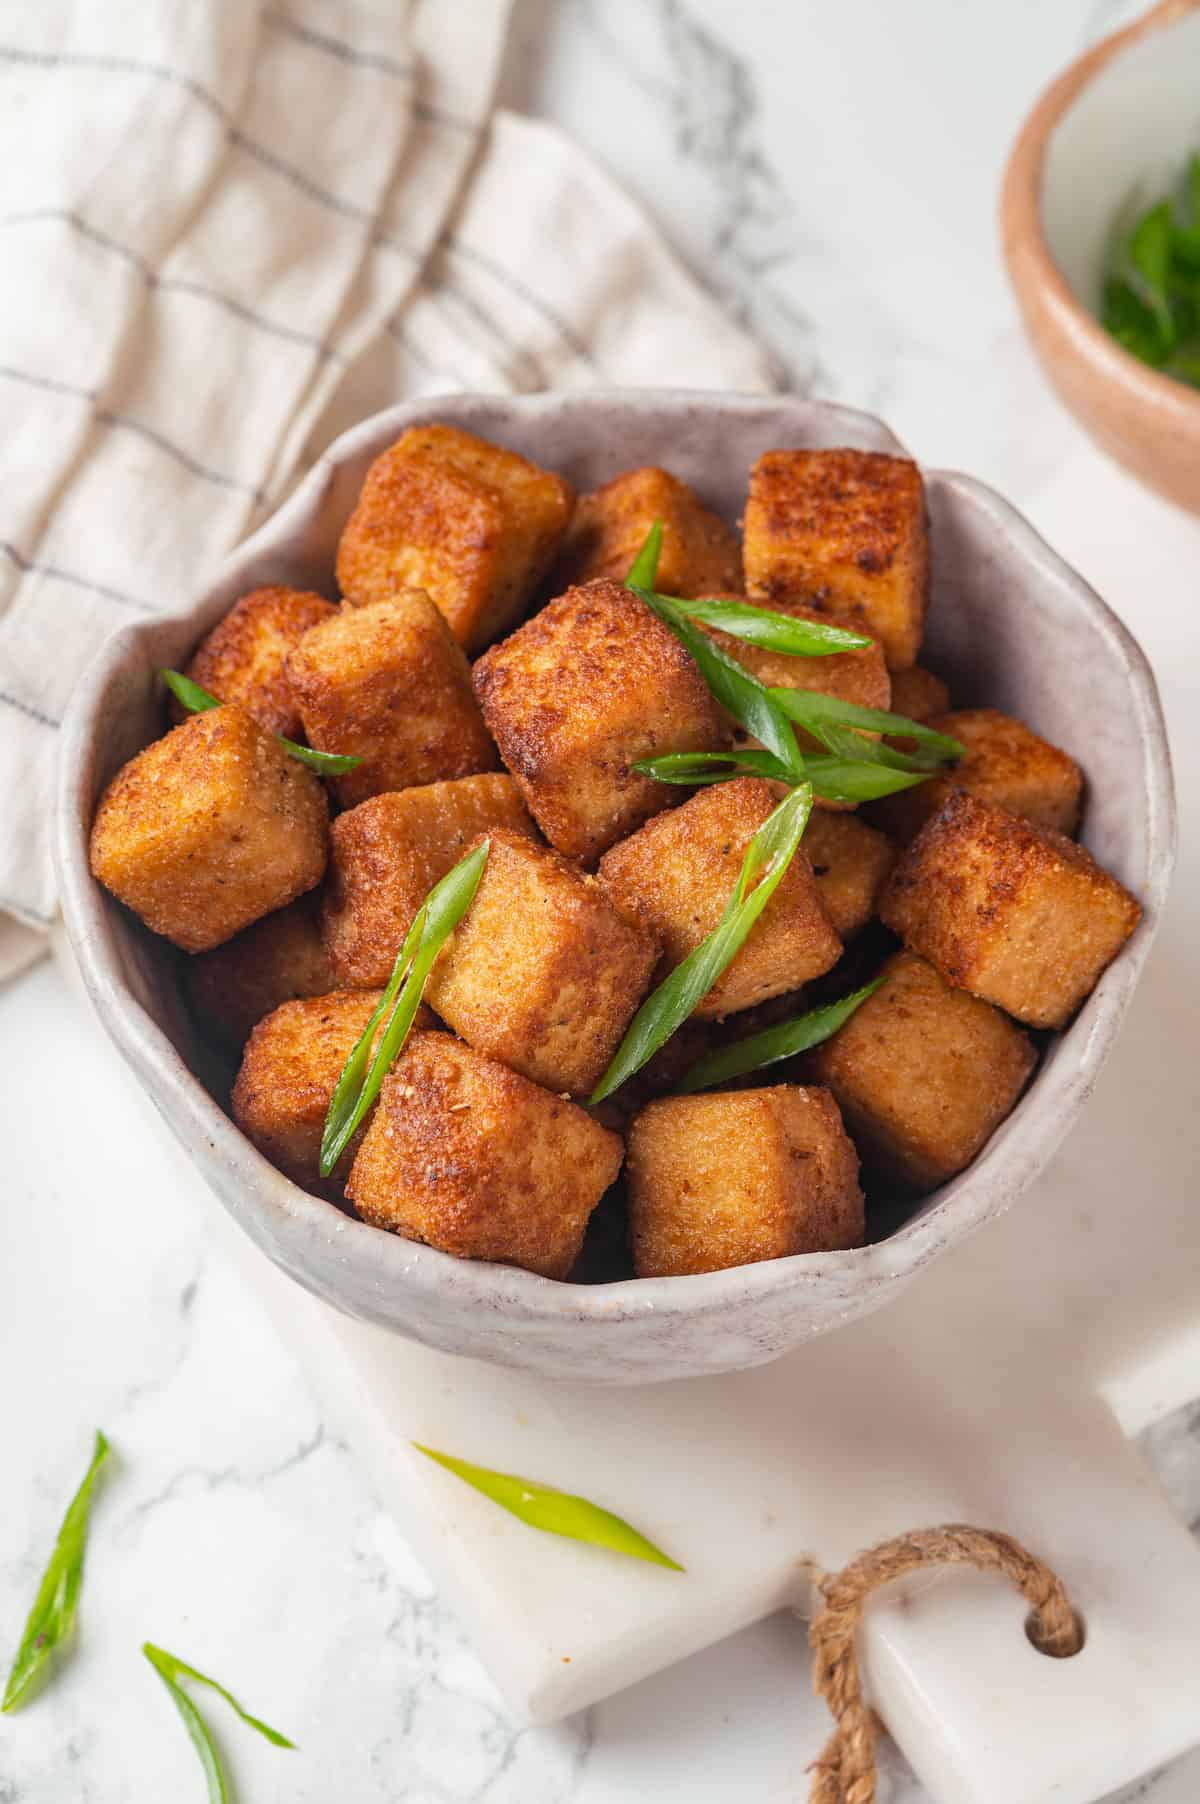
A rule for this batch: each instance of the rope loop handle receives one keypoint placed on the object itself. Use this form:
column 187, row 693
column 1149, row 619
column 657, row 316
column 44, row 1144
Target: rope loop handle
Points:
column 845, row 1772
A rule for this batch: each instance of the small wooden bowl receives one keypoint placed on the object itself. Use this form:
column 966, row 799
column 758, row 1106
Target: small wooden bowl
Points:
column 1110, row 133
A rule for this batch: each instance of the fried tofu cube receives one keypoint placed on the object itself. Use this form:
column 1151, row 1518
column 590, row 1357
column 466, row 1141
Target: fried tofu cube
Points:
column 1015, row 913
column 918, row 694
column 244, row 658
column 278, row 959
column 677, row 874
column 700, row 554
column 210, row 828
column 387, row 854
column 845, row 531
column 1005, row 763
column 468, row 1156
column 388, row 684
column 472, row 524
column 738, row 1176
column 850, row 862
column 923, row 1074
column 577, row 696
column 543, row 971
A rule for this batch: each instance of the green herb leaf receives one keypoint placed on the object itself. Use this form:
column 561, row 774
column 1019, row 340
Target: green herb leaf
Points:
column 53, row 1614
column 438, row 916
column 644, row 568
column 554, row 1512
column 170, row 1670
column 774, row 632
column 816, row 711
column 197, row 701
column 783, row 1041
column 699, row 768
column 666, row 1008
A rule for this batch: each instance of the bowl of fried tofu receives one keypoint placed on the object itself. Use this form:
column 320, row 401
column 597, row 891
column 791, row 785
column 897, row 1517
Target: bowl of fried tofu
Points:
column 443, row 609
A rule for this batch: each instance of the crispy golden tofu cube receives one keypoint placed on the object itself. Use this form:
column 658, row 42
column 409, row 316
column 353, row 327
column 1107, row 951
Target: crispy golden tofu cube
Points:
column 387, row 684
column 923, row 1074
column 387, row 854
column 1015, row 913
column 543, row 971
column 210, row 828
column 918, row 694
column 677, row 874
column 844, row 531
column 472, row 524
column 289, row 1071
column 471, row 1158
column 738, row 1176
column 1005, row 763
column 278, row 959
column 849, row 861
column 580, row 693
column 700, row 554
column 244, row 658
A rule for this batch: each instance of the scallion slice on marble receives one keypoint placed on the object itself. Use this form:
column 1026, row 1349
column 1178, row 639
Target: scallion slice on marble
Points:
column 171, row 1670
column 198, row 701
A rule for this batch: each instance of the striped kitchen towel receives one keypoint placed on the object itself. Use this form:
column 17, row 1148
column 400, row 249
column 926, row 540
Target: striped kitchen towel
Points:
column 230, row 231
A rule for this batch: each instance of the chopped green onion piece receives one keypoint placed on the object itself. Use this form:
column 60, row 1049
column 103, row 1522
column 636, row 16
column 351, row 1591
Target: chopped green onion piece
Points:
column 812, row 710
column 852, row 780
column 52, row 1616
column 697, row 768
column 438, row 916
column 644, row 568
column 197, row 701
column 666, row 1008
column 771, row 630
column 170, row 1670
column 849, row 743
column 783, row 1041
column 554, row 1512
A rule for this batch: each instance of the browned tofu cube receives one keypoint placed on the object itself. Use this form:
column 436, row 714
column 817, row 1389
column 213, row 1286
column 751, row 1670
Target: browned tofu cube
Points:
column 471, row 1158
column 472, row 524
column 846, row 531
column 387, row 854
column 244, row 658
column 700, row 554
column 279, row 959
column 543, row 971
column 1015, row 913
column 849, row 861
column 210, row 828
column 738, row 1176
column 289, row 1071
column 387, row 684
column 577, row 696
column 923, row 1074
column 918, row 694
column 677, row 874
column 1005, row 763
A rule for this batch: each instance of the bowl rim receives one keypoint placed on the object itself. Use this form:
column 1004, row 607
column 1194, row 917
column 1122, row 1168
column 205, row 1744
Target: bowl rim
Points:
column 1027, row 253
column 271, row 1207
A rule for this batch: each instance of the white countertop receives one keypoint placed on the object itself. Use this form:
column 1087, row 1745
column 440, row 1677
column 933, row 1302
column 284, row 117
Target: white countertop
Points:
column 832, row 171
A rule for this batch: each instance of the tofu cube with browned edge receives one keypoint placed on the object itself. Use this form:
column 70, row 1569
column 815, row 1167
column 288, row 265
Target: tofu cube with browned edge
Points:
column 472, row 524
column 845, row 531
column 543, row 971
column 210, row 828
column 1005, row 762
column 700, row 554
column 278, row 959
column 387, row 854
column 1015, row 913
column 677, row 874
column 924, row 1074
column 739, row 1176
column 850, row 862
column 577, row 696
column 918, row 694
column 470, row 1157
column 244, row 658
column 388, row 684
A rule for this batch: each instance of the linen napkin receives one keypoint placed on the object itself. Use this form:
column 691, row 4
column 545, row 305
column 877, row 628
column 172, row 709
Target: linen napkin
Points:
column 231, row 231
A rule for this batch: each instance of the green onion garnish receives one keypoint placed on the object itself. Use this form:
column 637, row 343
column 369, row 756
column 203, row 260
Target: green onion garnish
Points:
column 1151, row 294
column 170, row 1670
column 197, row 701
column 768, row 629
column 783, row 1041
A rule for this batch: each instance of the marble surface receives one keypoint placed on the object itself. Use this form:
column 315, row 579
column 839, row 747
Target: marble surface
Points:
column 832, row 172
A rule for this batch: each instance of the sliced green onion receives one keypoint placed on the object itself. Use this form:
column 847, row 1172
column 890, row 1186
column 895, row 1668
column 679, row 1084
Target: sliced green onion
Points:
column 52, row 1616
column 644, row 568
column 853, row 780
column 198, row 701
column 170, row 1670
column 195, row 699
column 554, row 1512
column 697, row 768
column 668, row 1007
column 849, row 743
column 770, row 630
column 783, row 1041
column 438, row 916
column 813, row 710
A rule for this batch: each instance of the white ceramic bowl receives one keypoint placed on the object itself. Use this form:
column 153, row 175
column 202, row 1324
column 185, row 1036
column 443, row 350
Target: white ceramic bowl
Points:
column 1009, row 624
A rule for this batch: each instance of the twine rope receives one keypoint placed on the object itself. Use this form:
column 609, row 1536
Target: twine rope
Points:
column 845, row 1772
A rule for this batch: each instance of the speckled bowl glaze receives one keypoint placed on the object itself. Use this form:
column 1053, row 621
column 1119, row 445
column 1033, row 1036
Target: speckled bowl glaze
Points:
column 1009, row 624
